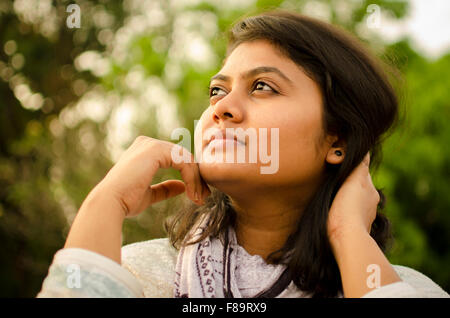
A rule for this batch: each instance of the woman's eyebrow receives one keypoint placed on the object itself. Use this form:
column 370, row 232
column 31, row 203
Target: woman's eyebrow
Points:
column 254, row 72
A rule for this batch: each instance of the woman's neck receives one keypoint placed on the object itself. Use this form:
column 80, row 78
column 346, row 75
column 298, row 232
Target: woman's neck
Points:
column 264, row 223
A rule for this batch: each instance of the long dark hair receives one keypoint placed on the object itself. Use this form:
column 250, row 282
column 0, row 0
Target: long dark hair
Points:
column 360, row 106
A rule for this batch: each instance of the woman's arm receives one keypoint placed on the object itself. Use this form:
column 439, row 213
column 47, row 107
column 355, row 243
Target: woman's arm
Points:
column 349, row 221
column 88, row 266
column 126, row 191
column 359, row 260
column 98, row 226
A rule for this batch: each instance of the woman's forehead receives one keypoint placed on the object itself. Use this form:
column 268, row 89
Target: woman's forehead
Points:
column 258, row 51
column 257, row 55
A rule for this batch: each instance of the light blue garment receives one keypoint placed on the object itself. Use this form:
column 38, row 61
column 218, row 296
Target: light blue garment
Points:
column 81, row 273
column 148, row 270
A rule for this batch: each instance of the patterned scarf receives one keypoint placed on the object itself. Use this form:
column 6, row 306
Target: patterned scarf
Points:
column 207, row 270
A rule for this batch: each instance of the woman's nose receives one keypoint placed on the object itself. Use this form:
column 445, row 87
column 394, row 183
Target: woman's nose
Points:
column 228, row 108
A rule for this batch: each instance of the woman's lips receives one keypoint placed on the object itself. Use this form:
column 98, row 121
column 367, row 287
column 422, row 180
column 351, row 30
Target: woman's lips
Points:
column 224, row 135
column 224, row 142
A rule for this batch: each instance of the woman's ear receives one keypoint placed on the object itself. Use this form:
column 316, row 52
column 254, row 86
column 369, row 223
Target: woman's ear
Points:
column 336, row 151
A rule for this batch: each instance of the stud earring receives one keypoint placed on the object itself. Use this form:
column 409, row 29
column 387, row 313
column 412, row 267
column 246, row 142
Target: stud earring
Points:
column 338, row 153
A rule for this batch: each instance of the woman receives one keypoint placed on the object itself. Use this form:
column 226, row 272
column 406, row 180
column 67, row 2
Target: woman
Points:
column 310, row 228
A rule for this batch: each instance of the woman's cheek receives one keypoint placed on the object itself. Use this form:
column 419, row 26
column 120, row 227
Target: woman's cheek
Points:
column 297, row 151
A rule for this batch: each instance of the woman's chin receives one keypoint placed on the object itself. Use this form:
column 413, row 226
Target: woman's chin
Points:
column 217, row 174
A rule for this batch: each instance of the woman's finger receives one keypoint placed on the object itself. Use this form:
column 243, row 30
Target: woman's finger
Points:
column 199, row 183
column 361, row 170
column 206, row 190
column 159, row 192
column 165, row 190
column 366, row 159
column 189, row 170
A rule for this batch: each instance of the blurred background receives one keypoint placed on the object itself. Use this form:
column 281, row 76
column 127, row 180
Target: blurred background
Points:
column 79, row 83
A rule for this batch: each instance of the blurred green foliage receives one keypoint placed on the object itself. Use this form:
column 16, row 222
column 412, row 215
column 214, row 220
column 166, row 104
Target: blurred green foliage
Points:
column 72, row 99
column 416, row 168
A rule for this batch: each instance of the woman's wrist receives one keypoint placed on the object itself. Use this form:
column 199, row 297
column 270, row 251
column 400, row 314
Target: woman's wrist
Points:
column 100, row 199
column 345, row 239
column 342, row 234
column 356, row 253
column 98, row 226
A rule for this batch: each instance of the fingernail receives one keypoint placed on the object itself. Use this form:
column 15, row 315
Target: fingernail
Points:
column 196, row 196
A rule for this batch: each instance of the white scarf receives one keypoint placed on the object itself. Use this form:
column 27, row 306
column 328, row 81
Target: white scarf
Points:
column 207, row 270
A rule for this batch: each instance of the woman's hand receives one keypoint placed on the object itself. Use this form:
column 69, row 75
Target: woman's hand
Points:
column 349, row 221
column 355, row 204
column 126, row 191
column 129, row 181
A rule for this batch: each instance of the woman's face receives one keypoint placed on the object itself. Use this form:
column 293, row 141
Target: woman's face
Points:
column 262, row 91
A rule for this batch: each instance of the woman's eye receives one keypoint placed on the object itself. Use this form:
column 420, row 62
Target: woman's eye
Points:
column 216, row 91
column 261, row 86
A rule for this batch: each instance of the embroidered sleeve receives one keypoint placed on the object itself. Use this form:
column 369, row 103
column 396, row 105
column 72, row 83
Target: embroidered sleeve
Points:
column 81, row 273
column 152, row 263
column 414, row 284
